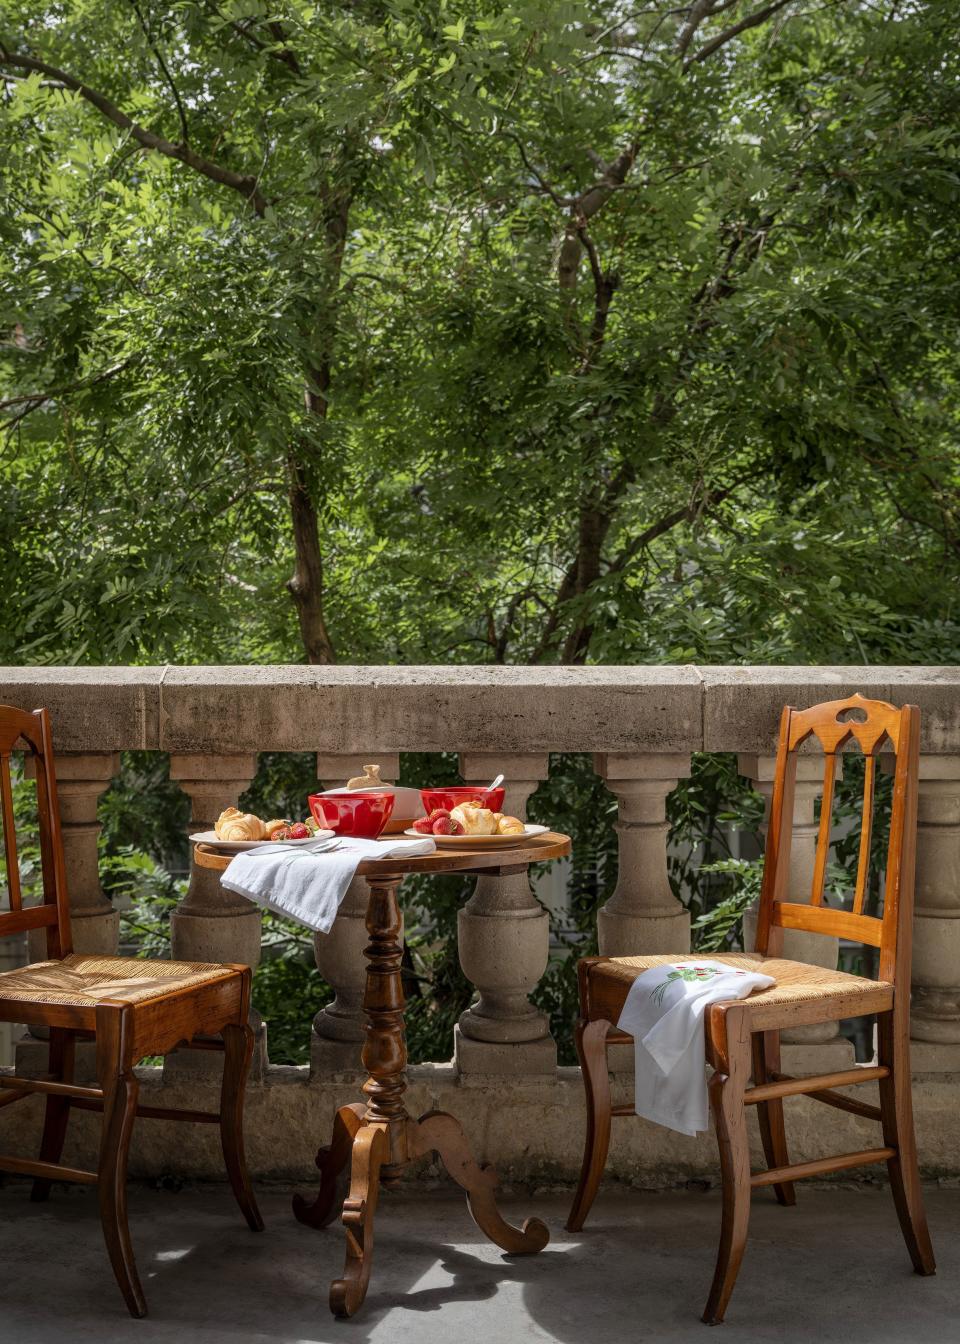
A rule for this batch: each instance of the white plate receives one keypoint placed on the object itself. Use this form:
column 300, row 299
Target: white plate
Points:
column 484, row 841
column 236, row 846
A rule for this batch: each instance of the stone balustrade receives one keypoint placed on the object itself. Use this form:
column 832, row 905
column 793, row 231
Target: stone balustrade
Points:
column 640, row 725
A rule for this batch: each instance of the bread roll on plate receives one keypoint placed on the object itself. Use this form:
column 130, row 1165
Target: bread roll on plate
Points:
column 474, row 819
column 509, row 825
column 233, row 824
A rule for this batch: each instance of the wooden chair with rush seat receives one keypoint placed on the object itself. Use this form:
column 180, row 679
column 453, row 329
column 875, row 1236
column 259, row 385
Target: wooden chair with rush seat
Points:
column 130, row 1008
column 743, row 1037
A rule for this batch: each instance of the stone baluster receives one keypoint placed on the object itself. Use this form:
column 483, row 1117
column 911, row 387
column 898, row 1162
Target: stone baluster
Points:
column 935, row 1014
column 832, row 1050
column 504, row 944
column 81, row 782
column 643, row 915
column 211, row 923
column 339, row 1028
column 82, row 778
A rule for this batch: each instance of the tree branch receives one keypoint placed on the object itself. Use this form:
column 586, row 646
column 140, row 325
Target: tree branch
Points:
column 750, row 21
column 166, row 72
column 39, row 397
column 31, row 401
column 699, row 11
column 284, row 54
column 686, row 514
column 239, row 182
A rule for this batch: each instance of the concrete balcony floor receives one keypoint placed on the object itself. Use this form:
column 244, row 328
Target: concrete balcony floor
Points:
column 832, row 1269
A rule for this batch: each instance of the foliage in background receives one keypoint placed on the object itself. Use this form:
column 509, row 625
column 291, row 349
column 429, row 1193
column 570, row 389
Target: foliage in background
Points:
column 509, row 330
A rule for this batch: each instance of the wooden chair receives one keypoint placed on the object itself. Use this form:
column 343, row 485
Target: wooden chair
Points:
column 131, row 1008
column 744, row 1037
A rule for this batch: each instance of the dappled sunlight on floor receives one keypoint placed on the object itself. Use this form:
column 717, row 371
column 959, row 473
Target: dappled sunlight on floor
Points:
column 833, row 1268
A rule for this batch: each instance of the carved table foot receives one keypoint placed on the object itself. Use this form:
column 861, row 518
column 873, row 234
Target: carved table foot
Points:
column 442, row 1133
column 334, row 1164
column 371, row 1148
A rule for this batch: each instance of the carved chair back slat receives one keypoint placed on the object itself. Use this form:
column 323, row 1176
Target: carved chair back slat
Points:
column 11, row 858
column 873, row 725
column 823, row 833
column 31, row 732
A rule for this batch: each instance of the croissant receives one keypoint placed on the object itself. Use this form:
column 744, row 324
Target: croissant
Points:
column 474, row 819
column 235, row 825
column 271, row 827
column 509, row 825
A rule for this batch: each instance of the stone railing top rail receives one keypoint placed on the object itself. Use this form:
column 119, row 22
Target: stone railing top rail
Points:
column 672, row 709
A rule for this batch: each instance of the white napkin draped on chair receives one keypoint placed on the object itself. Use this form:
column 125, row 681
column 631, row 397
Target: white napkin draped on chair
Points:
column 664, row 1012
column 307, row 883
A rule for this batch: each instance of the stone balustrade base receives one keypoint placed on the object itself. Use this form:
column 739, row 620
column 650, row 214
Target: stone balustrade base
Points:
column 183, row 1066
column 530, row 1128
column 327, row 1057
column 935, row 1057
column 31, row 1053
column 504, row 1059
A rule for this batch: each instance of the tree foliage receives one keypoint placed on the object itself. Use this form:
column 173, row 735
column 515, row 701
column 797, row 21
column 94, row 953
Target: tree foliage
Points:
column 516, row 330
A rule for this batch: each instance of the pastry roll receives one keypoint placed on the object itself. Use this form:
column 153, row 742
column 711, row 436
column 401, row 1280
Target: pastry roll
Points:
column 235, row 825
column 509, row 825
column 474, row 819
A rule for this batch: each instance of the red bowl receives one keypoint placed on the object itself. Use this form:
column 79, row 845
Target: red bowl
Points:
column 352, row 812
column 451, row 798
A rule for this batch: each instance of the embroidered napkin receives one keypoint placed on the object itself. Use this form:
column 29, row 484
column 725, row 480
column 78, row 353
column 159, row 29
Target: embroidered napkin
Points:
column 664, row 1014
column 306, row 884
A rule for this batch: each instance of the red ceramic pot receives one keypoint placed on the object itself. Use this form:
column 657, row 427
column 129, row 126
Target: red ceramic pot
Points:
column 451, row 798
column 362, row 813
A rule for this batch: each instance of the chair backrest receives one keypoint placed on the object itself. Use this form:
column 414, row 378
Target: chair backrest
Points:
column 874, row 726
column 32, row 732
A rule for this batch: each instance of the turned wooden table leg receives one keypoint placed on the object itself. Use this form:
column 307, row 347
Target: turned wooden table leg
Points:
column 380, row 1141
column 384, row 1051
column 379, row 1138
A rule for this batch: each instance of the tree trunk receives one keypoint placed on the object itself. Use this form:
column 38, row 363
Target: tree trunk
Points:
column 306, row 584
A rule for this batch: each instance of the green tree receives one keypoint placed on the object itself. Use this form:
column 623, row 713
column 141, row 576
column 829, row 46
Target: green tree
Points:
column 495, row 332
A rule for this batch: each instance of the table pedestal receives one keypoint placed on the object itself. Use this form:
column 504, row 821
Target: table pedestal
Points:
column 377, row 1138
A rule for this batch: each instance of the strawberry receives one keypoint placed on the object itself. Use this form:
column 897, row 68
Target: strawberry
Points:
column 456, row 828
column 443, row 826
column 299, row 831
column 423, row 825
column 439, row 812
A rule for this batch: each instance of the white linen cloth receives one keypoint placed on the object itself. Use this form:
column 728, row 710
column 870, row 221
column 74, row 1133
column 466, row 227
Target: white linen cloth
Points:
column 307, row 884
column 664, row 1012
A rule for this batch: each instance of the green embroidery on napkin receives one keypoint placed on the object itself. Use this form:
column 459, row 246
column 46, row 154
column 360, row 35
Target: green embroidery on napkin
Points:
column 691, row 974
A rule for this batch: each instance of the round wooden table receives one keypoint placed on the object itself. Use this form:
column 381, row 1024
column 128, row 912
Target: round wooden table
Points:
column 376, row 1138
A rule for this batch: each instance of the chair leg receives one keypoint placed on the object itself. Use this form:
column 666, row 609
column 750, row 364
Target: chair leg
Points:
column 591, row 1039
column 729, row 1113
column 896, row 1108
column 238, row 1041
column 119, row 1112
column 773, row 1134
column 57, row 1112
